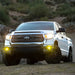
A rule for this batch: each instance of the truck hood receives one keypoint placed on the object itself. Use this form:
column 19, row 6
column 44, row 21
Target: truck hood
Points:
column 33, row 31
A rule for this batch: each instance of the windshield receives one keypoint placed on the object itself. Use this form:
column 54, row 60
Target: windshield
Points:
column 36, row 26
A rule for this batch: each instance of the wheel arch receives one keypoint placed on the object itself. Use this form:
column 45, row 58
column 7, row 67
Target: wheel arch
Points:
column 55, row 43
column 70, row 55
column 70, row 48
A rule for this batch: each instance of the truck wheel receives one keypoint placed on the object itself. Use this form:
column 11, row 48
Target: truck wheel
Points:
column 10, row 60
column 65, row 59
column 31, row 61
column 70, row 57
column 54, row 57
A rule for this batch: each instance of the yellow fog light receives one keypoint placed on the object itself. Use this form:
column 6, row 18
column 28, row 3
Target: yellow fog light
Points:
column 6, row 49
column 49, row 47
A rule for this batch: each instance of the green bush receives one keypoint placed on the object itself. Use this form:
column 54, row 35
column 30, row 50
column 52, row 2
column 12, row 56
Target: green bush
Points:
column 38, row 11
column 23, row 1
column 64, row 10
column 4, row 17
column 23, row 8
column 44, row 19
column 73, row 10
column 30, row 1
column 14, row 17
column 60, row 1
column 5, row 2
column 69, row 19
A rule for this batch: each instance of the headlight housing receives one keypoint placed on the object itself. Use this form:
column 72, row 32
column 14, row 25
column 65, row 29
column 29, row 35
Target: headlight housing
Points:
column 48, row 36
column 8, row 37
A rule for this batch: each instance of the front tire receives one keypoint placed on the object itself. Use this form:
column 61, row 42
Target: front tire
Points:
column 9, row 60
column 54, row 57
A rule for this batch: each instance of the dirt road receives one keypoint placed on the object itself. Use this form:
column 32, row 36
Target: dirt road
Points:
column 39, row 69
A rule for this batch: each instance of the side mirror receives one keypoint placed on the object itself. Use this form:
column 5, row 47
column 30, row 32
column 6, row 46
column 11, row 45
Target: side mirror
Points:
column 11, row 30
column 61, row 30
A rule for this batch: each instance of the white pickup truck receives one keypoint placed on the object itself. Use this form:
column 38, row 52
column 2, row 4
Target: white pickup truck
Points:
column 37, row 41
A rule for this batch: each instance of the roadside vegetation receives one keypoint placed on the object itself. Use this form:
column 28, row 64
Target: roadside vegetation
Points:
column 36, row 10
column 4, row 16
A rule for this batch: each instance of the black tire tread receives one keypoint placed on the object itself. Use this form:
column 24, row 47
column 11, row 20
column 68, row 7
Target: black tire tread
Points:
column 9, row 60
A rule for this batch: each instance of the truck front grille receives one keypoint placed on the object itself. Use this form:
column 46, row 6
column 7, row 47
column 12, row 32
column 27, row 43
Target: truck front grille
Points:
column 27, row 38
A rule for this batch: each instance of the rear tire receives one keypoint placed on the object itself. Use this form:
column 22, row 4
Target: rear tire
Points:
column 70, row 57
column 10, row 60
column 54, row 57
column 65, row 58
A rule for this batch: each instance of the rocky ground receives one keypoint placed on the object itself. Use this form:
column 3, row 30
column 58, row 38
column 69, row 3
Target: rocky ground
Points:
column 39, row 69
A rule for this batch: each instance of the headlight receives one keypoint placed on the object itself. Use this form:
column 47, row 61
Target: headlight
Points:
column 48, row 36
column 8, row 37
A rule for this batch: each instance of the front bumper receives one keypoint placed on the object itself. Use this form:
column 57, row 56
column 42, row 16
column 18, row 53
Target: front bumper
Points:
column 28, row 51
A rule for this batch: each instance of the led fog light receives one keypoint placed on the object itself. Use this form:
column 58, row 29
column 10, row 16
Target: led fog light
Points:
column 49, row 48
column 6, row 49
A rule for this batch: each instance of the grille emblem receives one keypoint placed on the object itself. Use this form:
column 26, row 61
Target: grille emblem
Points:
column 26, row 37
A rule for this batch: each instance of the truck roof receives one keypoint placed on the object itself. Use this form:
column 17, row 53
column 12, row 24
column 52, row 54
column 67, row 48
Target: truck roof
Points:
column 39, row 22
